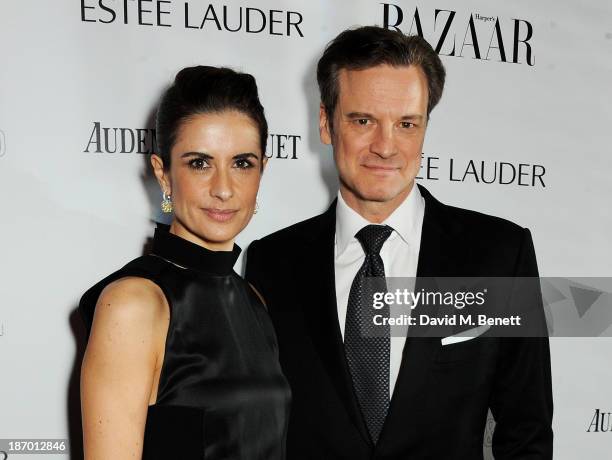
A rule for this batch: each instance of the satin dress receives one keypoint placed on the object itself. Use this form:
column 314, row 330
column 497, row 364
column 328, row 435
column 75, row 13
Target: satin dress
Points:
column 221, row 392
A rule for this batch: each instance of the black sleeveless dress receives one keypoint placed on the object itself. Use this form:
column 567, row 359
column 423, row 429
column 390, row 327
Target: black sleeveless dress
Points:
column 221, row 392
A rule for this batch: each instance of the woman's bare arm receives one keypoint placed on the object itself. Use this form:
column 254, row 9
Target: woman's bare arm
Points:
column 121, row 368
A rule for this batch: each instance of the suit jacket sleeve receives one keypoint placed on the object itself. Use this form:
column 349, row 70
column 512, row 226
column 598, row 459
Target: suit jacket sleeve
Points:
column 521, row 401
column 254, row 273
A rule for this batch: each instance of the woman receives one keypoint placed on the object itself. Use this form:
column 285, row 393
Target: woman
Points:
column 181, row 361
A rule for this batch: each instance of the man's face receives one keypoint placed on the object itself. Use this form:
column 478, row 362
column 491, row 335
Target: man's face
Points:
column 378, row 132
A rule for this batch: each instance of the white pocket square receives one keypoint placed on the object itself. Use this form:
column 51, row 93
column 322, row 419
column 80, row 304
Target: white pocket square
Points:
column 465, row 335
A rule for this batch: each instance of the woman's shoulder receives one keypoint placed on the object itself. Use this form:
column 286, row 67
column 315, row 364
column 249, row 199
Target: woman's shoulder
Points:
column 131, row 302
column 136, row 286
column 132, row 290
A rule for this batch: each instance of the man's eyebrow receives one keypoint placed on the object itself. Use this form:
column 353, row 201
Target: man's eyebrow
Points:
column 413, row 117
column 202, row 155
column 368, row 115
column 359, row 115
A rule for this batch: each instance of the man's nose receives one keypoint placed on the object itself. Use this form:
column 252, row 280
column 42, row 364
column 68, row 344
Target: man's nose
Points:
column 221, row 185
column 383, row 143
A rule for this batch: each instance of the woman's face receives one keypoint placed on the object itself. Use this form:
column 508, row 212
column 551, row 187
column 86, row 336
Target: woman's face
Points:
column 215, row 169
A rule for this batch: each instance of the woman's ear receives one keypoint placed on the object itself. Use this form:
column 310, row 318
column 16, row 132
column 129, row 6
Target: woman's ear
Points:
column 264, row 162
column 160, row 174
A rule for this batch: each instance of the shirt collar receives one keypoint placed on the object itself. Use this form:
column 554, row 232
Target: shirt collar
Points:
column 404, row 220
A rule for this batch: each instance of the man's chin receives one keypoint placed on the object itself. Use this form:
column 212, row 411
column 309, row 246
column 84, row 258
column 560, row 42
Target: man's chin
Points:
column 379, row 196
column 377, row 192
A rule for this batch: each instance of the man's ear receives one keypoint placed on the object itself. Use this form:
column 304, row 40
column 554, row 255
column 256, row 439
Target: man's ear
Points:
column 324, row 128
column 160, row 174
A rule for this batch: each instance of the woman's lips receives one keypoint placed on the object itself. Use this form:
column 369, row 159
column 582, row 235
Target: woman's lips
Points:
column 220, row 215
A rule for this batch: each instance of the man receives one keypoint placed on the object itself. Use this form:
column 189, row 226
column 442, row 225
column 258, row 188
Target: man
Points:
column 357, row 397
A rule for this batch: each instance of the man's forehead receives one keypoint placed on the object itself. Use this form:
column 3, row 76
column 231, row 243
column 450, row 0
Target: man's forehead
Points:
column 383, row 84
column 382, row 71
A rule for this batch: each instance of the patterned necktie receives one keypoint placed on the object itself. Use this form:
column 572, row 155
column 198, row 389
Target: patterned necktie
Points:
column 368, row 354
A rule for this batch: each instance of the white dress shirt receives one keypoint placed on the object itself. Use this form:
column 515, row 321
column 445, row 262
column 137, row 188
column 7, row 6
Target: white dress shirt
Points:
column 400, row 254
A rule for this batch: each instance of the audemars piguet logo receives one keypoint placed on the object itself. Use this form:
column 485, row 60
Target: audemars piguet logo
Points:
column 120, row 140
column 110, row 139
column 474, row 35
column 283, row 146
column 601, row 422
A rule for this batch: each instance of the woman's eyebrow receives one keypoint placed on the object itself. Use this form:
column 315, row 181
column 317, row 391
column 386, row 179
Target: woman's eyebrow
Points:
column 244, row 156
column 202, row 155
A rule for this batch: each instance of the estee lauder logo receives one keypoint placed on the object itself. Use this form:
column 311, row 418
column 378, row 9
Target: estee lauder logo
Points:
column 484, row 172
column 143, row 140
column 487, row 41
column 226, row 18
column 601, row 422
column 250, row 20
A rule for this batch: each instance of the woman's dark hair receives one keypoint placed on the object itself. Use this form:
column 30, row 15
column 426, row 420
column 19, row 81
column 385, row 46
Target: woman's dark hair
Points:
column 205, row 89
column 370, row 46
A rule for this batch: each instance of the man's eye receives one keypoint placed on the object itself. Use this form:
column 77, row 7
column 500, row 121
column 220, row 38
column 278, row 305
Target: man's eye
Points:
column 407, row 124
column 243, row 164
column 198, row 163
column 362, row 121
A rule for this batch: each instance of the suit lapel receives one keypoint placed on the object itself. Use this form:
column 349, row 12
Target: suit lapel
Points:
column 440, row 254
column 321, row 312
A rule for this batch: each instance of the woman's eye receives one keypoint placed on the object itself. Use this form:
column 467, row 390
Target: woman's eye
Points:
column 198, row 163
column 243, row 164
column 362, row 121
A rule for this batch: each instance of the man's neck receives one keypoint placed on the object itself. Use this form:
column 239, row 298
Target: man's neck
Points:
column 375, row 212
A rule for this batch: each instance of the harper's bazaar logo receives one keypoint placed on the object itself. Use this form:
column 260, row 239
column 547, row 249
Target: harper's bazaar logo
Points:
column 476, row 36
column 103, row 139
column 192, row 15
column 600, row 423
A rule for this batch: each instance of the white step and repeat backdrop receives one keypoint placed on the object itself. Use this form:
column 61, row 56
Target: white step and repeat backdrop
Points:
column 523, row 131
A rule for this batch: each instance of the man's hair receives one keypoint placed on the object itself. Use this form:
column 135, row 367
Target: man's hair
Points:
column 370, row 46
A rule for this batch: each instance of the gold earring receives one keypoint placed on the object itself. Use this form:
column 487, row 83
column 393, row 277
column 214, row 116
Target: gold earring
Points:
column 166, row 204
column 256, row 207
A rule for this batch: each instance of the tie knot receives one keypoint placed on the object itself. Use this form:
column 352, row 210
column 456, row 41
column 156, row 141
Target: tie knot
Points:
column 372, row 237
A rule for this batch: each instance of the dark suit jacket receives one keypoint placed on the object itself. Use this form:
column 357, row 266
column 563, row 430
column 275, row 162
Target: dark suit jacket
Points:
column 439, row 406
